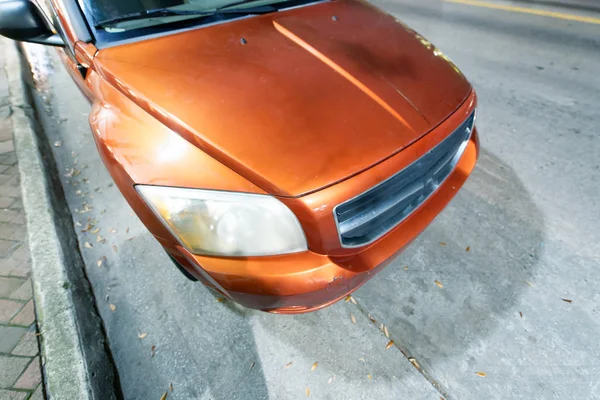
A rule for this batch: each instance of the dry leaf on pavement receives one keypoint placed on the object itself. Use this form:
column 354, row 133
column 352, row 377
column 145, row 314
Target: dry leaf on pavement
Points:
column 386, row 332
column 112, row 307
column 369, row 376
column 440, row 284
column 87, row 245
column 331, row 379
column 114, row 247
column 567, row 300
column 414, row 362
column 443, row 243
column 307, row 392
column 94, row 231
column 219, row 299
column 468, row 248
column 390, row 344
column 286, row 366
column 99, row 262
column 142, row 335
column 314, row 366
column 347, row 299
column 482, row 374
column 171, row 387
column 521, row 314
column 153, row 351
column 252, row 365
column 164, row 396
column 57, row 144
column 352, row 318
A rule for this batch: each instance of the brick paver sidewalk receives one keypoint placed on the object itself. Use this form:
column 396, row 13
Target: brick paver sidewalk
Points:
column 20, row 375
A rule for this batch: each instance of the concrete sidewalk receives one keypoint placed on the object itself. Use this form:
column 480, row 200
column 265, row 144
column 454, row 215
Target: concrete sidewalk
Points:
column 20, row 374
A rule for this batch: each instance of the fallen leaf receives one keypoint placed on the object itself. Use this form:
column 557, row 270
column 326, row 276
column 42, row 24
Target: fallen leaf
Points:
column 142, row 335
column 369, row 376
column 113, row 230
column 390, row 344
column 127, row 230
column 353, row 301
column 567, row 300
column 331, row 379
column 352, row 318
column 153, row 351
column 362, row 359
column 386, row 332
column 77, row 223
column 171, row 387
column 406, row 267
column 86, row 209
column 87, row 245
column 521, row 314
column 57, row 144
column 480, row 374
column 164, row 396
column 131, row 238
column 252, row 366
column 468, row 248
column 112, row 307
column 99, row 262
column 314, row 366
column 347, row 299
column 100, row 239
column 373, row 320
column 114, row 247
column 443, row 243
column 286, row 366
column 219, row 299
column 307, row 392
column 529, row 283
column 440, row 285
column 96, row 230
column 414, row 362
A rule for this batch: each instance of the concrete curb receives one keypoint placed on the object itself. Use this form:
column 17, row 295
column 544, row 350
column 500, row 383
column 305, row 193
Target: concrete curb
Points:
column 75, row 356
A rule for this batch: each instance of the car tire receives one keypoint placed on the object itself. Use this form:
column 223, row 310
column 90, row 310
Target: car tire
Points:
column 182, row 269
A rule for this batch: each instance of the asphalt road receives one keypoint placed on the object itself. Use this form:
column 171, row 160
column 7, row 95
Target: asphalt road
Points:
column 520, row 307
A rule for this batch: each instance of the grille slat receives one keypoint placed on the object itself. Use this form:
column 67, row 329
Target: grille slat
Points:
column 372, row 214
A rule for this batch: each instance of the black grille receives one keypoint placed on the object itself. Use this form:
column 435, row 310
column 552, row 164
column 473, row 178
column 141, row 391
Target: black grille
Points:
column 372, row 214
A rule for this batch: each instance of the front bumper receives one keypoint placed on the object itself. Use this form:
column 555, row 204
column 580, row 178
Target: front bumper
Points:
column 307, row 281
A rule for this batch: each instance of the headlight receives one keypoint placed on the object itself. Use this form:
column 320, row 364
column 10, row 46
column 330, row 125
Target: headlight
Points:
column 226, row 223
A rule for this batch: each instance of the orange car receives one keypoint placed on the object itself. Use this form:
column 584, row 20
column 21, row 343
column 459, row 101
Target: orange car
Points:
column 282, row 152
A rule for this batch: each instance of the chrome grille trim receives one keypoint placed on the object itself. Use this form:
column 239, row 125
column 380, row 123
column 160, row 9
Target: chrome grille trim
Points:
column 373, row 213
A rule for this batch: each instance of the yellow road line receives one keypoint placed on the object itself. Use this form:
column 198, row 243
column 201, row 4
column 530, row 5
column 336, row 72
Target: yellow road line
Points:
column 525, row 10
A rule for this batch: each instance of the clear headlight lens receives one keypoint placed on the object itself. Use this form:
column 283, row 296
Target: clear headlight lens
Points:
column 226, row 223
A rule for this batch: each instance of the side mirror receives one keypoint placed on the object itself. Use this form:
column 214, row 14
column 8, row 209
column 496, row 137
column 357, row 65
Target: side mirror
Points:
column 22, row 20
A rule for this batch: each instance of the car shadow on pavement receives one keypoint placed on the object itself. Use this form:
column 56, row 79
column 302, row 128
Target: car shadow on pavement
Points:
column 465, row 273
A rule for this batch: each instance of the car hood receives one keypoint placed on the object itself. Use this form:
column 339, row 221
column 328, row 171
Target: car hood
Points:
column 295, row 100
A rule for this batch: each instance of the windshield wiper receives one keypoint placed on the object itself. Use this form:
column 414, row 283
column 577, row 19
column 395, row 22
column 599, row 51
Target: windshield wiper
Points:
column 167, row 12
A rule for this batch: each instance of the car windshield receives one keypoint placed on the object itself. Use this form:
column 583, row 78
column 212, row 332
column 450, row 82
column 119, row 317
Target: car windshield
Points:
column 115, row 16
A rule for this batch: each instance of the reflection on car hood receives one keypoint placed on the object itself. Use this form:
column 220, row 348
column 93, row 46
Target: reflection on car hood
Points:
column 295, row 100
